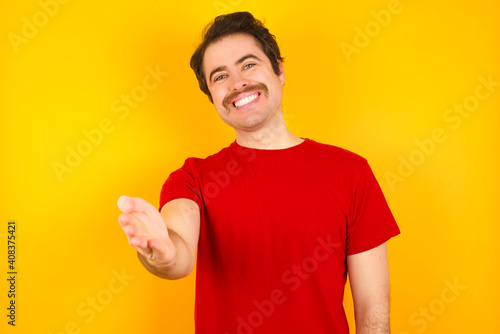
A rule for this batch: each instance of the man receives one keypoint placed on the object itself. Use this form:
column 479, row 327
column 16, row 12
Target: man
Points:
column 275, row 221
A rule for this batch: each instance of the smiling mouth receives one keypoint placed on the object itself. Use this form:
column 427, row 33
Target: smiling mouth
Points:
column 246, row 100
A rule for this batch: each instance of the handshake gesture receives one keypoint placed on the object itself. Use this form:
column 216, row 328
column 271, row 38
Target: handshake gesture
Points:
column 166, row 242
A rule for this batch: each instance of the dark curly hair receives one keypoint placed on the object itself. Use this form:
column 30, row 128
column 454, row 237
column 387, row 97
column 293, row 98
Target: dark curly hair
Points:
column 224, row 25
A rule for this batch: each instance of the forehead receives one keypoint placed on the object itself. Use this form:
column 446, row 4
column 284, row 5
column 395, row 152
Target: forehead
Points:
column 229, row 49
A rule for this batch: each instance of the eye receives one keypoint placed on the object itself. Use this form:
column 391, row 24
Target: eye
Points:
column 247, row 66
column 219, row 77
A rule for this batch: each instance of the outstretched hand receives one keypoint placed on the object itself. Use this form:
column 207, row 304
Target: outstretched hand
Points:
column 146, row 231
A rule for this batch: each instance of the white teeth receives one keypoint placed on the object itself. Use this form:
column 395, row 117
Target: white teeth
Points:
column 246, row 100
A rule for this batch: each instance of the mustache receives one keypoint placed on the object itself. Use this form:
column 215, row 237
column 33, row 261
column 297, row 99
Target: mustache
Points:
column 230, row 97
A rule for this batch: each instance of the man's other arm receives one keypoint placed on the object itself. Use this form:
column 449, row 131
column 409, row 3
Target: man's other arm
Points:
column 166, row 242
column 369, row 278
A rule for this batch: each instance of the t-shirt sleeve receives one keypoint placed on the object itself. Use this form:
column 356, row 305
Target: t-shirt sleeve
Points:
column 182, row 183
column 371, row 222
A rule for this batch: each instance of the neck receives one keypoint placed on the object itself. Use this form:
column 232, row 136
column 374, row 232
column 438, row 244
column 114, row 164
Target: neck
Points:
column 274, row 136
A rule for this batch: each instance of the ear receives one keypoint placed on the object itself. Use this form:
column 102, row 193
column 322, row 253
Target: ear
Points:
column 282, row 72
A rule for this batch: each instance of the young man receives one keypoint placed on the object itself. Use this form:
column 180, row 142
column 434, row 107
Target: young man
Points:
column 275, row 221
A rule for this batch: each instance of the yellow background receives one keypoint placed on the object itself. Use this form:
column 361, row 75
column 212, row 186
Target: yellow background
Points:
column 376, row 102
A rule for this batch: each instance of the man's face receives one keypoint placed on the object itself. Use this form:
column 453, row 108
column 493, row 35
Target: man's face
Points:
column 245, row 90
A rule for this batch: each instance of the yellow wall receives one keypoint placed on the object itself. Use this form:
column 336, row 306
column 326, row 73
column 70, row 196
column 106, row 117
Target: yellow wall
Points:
column 392, row 96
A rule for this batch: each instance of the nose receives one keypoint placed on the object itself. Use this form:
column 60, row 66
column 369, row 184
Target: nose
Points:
column 239, row 82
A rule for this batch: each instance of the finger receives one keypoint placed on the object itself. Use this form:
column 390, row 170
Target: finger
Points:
column 142, row 219
column 130, row 231
column 135, row 204
column 135, row 224
column 135, row 235
column 135, row 218
column 141, row 246
column 156, row 246
column 124, row 220
column 139, row 243
column 130, row 226
column 160, row 252
column 125, row 203
column 134, row 239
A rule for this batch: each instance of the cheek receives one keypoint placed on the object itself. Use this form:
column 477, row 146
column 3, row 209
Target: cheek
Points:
column 217, row 96
column 218, row 100
column 276, row 91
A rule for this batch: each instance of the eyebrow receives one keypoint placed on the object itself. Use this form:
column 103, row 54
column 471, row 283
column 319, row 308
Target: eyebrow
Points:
column 239, row 61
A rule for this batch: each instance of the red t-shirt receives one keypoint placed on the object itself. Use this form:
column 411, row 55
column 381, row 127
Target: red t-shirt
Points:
column 276, row 227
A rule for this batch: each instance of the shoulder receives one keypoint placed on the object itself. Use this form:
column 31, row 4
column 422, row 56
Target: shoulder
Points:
column 335, row 153
column 201, row 163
